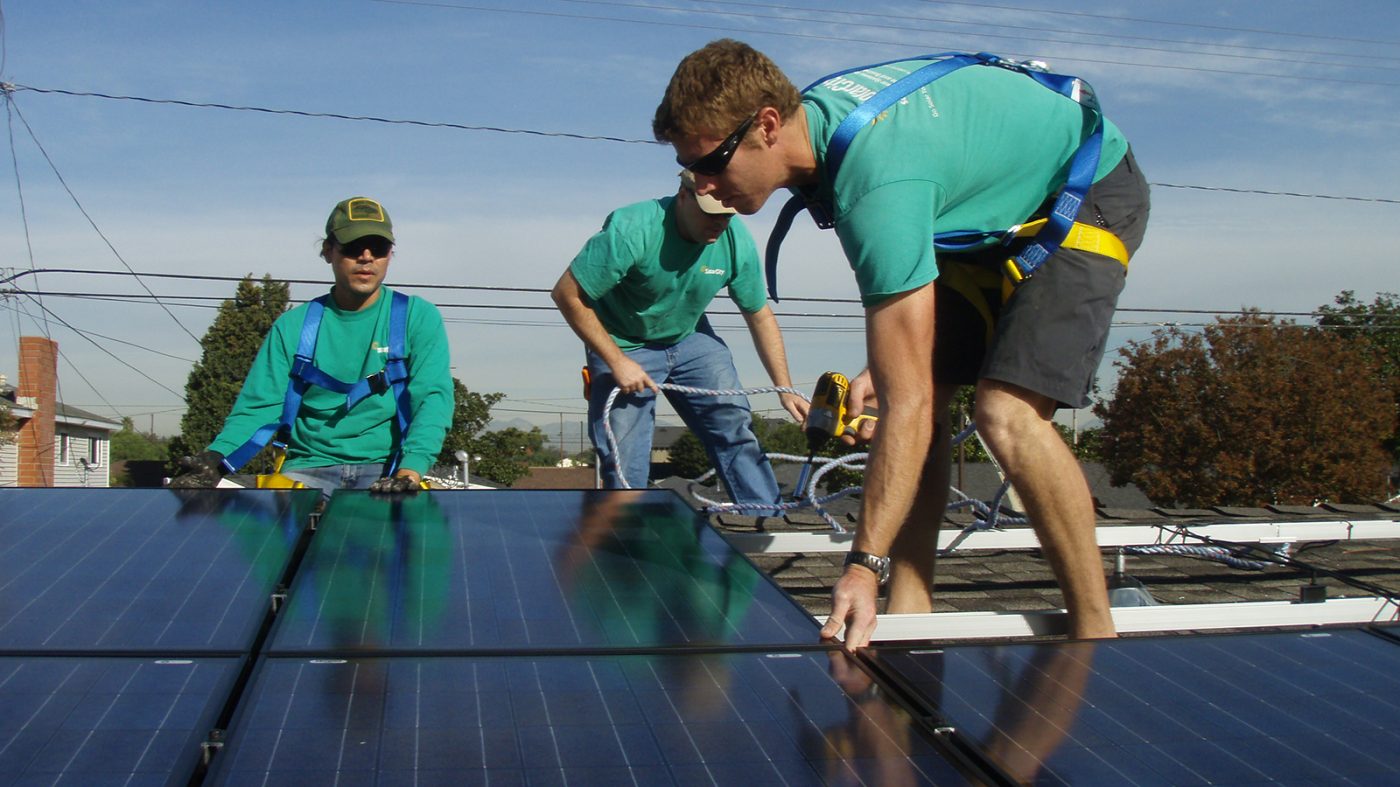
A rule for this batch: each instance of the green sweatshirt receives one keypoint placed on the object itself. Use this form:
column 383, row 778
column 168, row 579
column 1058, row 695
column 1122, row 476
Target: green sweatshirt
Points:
column 350, row 346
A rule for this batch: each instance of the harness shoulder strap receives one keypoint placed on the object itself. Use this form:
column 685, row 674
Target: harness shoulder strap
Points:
column 1082, row 169
column 296, row 389
column 305, row 374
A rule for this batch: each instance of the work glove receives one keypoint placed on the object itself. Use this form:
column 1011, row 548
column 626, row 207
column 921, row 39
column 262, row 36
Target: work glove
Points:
column 395, row 485
column 199, row 472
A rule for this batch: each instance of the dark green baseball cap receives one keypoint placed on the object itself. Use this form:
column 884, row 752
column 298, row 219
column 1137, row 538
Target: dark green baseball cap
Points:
column 357, row 217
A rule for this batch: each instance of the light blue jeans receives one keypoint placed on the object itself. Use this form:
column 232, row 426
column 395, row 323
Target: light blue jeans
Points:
column 722, row 423
column 333, row 477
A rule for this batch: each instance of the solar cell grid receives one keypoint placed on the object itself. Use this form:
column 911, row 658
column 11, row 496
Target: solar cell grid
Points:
column 107, row 721
column 1288, row 707
column 491, row 571
column 752, row 718
column 141, row 570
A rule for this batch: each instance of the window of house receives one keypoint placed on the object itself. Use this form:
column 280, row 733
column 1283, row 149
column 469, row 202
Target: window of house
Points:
column 94, row 456
column 65, row 449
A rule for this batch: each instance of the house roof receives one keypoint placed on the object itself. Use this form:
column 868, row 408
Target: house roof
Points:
column 63, row 413
column 1020, row 580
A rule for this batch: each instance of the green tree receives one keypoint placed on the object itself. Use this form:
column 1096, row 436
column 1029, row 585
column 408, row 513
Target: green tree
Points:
column 688, row 457
column 780, row 436
column 1376, row 328
column 127, row 443
column 471, row 413
column 502, row 456
column 230, row 345
column 689, row 460
column 1251, row 412
column 8, row 425
column 506, row 453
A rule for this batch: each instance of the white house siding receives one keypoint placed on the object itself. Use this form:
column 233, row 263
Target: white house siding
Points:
column 80, row 442
column 9, row 464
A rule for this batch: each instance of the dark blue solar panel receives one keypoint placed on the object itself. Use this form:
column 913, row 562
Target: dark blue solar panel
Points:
column 681, row 718
column 142, row 569
column 487, row 570
column 1316, row 707
column 101, row 721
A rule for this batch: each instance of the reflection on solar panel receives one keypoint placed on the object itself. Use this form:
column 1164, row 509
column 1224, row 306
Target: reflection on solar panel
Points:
column 1318, row 707
column 689, row 718
column 546, row 570
column 98, row 721
column 133, row 570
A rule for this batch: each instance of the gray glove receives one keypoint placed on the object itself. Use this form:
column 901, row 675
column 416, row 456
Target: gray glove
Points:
column 395, row 485
column 199, row 472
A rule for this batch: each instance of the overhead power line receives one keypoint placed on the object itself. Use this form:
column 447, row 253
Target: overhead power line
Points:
column 1310, row 77
column 906, row 23
column 568, row 135
column 1198, row 25
column 209, row 302
column 113, row 355
column 329, row 115
column 9, row 100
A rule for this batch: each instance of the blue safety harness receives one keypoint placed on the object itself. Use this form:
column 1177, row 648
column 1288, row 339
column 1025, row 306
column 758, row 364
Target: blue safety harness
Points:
column 1061, row 217
column 394, row 376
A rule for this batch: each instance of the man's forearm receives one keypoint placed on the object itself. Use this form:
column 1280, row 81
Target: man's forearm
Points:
column 768, row 343
column 583, row 320
column 899, row 340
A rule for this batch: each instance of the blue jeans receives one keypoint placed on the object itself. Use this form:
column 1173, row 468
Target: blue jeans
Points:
column 333, row 477
column 722, row 423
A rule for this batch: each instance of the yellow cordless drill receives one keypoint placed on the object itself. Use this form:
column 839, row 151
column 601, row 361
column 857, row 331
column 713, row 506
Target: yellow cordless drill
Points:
column 827, row 419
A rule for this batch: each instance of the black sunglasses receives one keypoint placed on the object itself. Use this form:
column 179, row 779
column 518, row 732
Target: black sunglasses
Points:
column 715, row 161
column 378, row 246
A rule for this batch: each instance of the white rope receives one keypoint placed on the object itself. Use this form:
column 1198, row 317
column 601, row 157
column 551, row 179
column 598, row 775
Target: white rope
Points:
column 988, row 516
column 612, row 397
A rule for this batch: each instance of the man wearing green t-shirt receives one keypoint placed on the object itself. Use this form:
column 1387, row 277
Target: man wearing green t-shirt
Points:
column 334, row 442
column 636, row 295
column 983, row 149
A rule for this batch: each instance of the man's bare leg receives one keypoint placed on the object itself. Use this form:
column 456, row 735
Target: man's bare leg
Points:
column 1015, row 423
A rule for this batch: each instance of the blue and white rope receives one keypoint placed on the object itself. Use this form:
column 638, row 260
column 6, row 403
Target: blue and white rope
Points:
column 988, row 516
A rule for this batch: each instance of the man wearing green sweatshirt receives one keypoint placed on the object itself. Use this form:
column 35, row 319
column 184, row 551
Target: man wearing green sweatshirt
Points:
column 349, row 429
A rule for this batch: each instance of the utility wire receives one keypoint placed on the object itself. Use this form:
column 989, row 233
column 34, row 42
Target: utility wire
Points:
column 19, row 190
column 1202, row 26
column 1381, row 200
column 84, row 378
column 905, row 18
column 331, row 115
column 1040, row 37
column 854, row 302
column 884, row 42
column 82, row 210
column 596, row 138
column 119, row 341
column 113, row 355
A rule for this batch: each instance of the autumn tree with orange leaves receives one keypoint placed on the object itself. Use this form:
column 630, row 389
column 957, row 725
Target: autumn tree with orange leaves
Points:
column 1252, row 412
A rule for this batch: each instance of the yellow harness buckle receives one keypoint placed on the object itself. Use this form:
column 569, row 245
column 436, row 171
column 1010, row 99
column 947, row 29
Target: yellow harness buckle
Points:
column 1081, row 237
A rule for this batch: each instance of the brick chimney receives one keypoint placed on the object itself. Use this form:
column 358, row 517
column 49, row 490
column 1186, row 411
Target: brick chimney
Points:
column 38, row 384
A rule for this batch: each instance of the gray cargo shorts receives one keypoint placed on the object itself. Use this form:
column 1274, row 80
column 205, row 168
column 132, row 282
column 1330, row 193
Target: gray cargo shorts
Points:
column 1049, row 336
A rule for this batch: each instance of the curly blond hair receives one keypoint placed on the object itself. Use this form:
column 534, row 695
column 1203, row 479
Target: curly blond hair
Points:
column 716, row 87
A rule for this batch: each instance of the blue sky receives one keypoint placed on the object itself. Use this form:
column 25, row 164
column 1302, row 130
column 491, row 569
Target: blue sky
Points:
column 1285, row 96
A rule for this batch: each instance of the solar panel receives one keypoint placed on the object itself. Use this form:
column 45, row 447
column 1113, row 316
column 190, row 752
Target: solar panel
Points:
column 142, row 570
column 1315, row 707
column 107, row 721
column 750, row 718
column 480, row 571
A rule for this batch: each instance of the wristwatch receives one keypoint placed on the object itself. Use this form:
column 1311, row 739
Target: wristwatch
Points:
column 880, row 566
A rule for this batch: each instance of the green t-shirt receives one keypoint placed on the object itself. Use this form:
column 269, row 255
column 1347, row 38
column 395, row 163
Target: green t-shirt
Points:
column 978, row 149
column 349, row 346
column 648, row 285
